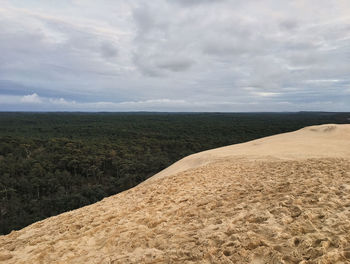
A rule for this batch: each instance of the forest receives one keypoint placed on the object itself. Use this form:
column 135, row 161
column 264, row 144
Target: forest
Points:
column 55, row 162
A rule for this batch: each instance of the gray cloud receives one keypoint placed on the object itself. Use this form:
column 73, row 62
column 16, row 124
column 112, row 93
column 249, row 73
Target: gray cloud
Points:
column 108, row 50
column 289, row 24
column 229, row 55
column 11, row 88
column 175, row 64
column 194, row 2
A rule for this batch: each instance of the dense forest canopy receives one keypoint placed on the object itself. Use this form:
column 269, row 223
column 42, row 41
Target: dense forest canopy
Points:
column 54, row 162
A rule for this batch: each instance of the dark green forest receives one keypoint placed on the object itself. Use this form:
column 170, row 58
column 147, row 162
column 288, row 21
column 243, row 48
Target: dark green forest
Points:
column 54, row 162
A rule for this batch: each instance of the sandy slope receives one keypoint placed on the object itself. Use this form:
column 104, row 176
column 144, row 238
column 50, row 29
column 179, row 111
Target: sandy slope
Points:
column 281, row 199
column 315, row 141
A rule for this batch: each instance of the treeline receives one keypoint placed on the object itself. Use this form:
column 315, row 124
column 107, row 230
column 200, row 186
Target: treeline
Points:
column 54, row 162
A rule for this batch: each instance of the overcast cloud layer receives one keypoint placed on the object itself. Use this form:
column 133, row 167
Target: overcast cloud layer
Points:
column 174, row 55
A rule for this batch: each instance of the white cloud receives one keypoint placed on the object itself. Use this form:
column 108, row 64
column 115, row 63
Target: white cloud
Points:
column 322, row 81
column 31, row 99
column 266, row 94
column 61, row 101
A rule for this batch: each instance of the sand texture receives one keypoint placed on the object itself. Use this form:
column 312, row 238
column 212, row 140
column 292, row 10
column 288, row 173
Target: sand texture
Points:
column 274, row 205
column 310, row 142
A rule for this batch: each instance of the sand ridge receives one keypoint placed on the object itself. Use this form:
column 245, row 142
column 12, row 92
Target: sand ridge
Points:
column 328, row 140
column 246, row 210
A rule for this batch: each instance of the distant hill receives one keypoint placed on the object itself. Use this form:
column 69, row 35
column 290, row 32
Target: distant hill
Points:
column 279, row 199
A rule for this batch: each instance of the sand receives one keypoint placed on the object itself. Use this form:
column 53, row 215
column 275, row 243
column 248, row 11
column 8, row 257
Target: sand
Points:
column 310, row 142
column 280, row 199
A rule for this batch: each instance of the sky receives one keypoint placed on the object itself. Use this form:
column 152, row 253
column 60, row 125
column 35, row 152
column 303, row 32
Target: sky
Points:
column 175, row 55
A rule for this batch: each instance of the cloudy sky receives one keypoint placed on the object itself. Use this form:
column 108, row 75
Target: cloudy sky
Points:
column 174, row 55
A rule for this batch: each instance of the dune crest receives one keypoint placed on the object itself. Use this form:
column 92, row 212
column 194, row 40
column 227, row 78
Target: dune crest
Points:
column 328, row 140
column 279, row 199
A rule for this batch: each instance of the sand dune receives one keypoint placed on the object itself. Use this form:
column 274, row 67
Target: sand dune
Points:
column 280, row 199
column 310, row 142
